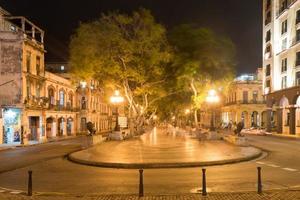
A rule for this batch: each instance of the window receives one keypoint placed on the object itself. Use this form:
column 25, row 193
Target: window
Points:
column 284, row 65
column 268, row 4
column 297, row 78
column 245, row 96
column 268, row 52
column 38, row 90
column 283, row 82
column 298, row 16
column 51, row 96
column 297, row 36
column 28, row 61
column 71, row 99
column 268, row 36
column 83, row 124
column 38, row 65
column 28, row 88
column 298, row 58
column 62, row 68
column 268, row 70
column 284, row 44
column 284, row 27
column 255, row 96
column 268, row 18
column 268, row 83
column 283, row 5
column 83, row 103
column 61, row 98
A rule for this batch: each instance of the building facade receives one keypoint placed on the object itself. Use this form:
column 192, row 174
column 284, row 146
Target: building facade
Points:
column 281, row 64
column 37, row 104
column 90, row 100
column 245, row 102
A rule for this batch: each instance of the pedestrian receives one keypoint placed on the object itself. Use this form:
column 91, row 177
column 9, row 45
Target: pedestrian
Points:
column 239, row 128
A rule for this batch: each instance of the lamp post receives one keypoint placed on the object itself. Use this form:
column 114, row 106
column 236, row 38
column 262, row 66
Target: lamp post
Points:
column 212, row 99
column 187, row 113
column 116, row 100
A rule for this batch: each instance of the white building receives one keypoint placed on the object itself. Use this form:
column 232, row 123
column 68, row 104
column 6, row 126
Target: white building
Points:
column 281, row 62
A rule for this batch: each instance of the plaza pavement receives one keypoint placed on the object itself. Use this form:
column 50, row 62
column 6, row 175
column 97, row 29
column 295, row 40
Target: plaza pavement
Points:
column 268, row 195
column 162, row 149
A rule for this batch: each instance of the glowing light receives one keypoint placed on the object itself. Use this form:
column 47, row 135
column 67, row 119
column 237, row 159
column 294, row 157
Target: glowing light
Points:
column 116, row 98
column 212, row 97
column 10, row 114
column 187, row 111
column 83, row 84
column 155, row 117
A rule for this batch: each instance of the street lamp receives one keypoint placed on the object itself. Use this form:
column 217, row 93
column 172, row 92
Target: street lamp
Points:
column 212, row 99
column 116, row 100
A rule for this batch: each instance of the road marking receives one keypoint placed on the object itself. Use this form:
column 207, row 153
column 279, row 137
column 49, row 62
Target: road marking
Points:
column 290, row 169
column 272, row 165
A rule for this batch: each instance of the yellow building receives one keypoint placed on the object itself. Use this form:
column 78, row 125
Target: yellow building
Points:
column 245, row 102
column 36, row 103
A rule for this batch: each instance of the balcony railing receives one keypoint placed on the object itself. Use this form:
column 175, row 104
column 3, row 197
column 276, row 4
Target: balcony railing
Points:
column 285, row 7
column 267, row 20
column 245, row 102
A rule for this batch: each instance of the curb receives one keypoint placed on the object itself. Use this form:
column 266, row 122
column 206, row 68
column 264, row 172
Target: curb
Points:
column 74, row 159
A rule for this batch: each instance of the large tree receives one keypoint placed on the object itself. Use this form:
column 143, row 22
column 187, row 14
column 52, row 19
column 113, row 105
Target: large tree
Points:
column 125, row 52
column 203, row 59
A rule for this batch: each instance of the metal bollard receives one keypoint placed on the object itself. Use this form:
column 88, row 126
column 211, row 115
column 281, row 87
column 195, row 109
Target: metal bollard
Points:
column 259, row 184
column 204, row 193
column 29, row 192
column 141, row 186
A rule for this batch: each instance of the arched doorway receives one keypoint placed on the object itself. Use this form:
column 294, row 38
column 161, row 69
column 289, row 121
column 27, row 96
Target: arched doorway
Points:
column 244, row 118
column 60, row 126
column 298, row 115
column 283, row 116
column 255, row 119
column 49, row 127
column 51, row 97
column 69, row 126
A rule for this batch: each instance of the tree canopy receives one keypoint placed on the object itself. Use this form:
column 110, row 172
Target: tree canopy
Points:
column 134, row 53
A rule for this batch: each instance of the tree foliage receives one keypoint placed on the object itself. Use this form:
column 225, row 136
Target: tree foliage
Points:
column 127, row 52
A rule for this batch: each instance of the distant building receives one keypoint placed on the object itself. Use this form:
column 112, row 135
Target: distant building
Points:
column 281, row 65
column 245, row 102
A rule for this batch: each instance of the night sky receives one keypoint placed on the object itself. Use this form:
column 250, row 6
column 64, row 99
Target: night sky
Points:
column 241, row 20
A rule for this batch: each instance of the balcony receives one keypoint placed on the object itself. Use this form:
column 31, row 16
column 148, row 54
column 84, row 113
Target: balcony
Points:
column 285, row 6
column 245, row 102
column 267, row 21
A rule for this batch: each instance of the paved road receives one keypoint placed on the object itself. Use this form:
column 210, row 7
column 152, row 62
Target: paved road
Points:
column 24, row 156
column 281, row 169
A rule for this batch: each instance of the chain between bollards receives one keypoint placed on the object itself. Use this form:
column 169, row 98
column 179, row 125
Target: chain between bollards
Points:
column 259, row 184
column 204, row 192
column 141, row 186
column 29, row 192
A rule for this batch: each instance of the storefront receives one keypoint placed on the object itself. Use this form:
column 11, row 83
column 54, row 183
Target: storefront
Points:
column 12, row 125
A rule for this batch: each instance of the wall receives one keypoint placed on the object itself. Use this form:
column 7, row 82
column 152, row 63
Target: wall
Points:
column 10, row 68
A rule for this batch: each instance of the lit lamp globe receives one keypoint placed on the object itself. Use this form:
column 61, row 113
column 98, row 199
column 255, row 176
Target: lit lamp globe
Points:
column 212, row 97
column 117, row 99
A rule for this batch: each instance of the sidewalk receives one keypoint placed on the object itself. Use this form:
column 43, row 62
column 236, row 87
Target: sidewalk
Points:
column 271, row 195
column 4, row 147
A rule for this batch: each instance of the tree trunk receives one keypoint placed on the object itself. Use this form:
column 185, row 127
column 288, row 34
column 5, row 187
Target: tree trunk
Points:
column 195, row 95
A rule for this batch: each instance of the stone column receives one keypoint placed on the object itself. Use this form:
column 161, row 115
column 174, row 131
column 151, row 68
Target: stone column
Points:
column 279, row 120
column 292, row 120
column 269, row 123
